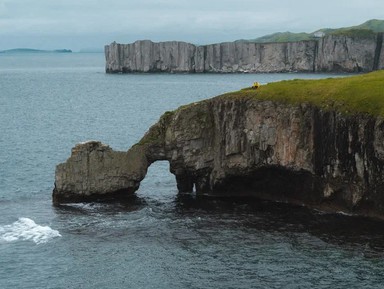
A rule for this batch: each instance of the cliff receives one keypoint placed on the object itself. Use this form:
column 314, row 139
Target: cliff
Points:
column 323, row 151
column 333, row 53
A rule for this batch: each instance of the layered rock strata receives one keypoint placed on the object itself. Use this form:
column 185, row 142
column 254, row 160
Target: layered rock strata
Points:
column 96, row 172
column 244, row 147
column 328, row 54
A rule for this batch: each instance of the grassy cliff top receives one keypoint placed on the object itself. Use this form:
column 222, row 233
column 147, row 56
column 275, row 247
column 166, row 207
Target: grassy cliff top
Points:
column 361, row 33
column 365, row 29
column 356, row 94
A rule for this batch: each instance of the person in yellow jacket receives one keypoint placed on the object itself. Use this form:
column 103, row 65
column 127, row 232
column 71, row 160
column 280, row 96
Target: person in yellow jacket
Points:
column 256, row 85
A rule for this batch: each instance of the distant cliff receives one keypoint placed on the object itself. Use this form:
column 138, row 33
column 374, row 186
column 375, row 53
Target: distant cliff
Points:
column 319, row 143
column 30, row 50
column 332, row 53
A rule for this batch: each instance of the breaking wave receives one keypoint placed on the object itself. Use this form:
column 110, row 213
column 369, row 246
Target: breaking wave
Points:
column 27, row 230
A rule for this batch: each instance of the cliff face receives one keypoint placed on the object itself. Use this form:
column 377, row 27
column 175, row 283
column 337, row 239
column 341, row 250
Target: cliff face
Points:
column 146, row 56
column 349, row 54
column 246, row 147
column 328, row 54
column 95, row 170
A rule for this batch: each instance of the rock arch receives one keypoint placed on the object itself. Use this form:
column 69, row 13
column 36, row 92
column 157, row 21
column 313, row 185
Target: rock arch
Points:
column 243, row 147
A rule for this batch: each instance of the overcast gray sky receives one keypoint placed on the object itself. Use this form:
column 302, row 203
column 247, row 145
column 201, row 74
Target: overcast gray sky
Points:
column 77, row 24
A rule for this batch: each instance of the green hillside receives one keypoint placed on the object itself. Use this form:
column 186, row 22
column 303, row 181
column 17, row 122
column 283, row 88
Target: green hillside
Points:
column 283, row 37
column 372, row 25
column 375, row 25
column 367, row 28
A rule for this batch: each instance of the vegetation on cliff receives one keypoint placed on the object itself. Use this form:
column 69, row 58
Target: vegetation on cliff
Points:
column 361, row 33
column 283, row 37
column 157, row 131
column 356, row 94
column 374, row 24
column 367, row 28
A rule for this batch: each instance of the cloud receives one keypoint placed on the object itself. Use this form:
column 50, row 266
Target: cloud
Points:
column 195, row 21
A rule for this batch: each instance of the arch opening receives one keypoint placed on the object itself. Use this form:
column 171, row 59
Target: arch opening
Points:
column 159, row 183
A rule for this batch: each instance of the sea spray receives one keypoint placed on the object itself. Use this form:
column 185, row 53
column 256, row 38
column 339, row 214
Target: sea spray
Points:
column 26, row 229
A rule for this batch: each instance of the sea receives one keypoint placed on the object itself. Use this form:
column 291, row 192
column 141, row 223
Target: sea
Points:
column 160, row 239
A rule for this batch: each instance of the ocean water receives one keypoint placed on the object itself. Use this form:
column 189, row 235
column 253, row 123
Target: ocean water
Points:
column 50, row 102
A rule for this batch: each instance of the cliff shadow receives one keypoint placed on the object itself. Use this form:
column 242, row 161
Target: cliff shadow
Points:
column 272, row 183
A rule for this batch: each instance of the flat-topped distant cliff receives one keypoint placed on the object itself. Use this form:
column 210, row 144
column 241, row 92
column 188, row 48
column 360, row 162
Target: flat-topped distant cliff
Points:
column 341, row 52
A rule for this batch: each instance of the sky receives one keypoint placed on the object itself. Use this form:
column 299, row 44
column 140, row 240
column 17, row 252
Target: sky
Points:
column 84, row 24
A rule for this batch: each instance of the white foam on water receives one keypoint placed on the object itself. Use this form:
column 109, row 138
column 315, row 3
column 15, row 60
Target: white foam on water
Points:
column 27, row 230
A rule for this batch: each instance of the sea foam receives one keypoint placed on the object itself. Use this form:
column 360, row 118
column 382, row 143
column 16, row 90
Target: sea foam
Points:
column 27, row 229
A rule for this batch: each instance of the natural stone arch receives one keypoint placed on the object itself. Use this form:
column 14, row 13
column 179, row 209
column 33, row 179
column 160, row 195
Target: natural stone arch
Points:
column 335, row 160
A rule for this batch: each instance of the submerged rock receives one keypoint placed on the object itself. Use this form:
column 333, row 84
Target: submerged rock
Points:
column 242, row 146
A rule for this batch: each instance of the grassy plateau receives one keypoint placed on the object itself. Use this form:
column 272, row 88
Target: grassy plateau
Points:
column 355, row 94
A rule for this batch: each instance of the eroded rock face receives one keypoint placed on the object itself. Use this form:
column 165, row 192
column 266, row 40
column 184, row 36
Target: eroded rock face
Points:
column 95, row 172
column 294, row 153
column 246, row 147
column 349, row 54
column 329, row 54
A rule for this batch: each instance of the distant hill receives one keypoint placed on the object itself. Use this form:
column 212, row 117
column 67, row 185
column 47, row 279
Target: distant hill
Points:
column 283, row 37
column 371, row 26
column 375, row 25
column 30, row 50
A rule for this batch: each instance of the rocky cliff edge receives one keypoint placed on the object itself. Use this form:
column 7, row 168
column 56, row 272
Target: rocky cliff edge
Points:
column 246, row 144
column 333, row 53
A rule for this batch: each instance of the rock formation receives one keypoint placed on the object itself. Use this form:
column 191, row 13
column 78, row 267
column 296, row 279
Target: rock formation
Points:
column 242, row 146
column 94, row 171
column 333, row 53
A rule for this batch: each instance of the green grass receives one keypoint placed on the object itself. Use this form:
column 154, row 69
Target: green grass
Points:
column 366, row 29
column 375, row 25
column 283, row 37
column 355, row 94
column 360, row 33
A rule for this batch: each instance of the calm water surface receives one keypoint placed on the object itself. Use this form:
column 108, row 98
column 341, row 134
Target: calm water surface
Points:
column 50, row 102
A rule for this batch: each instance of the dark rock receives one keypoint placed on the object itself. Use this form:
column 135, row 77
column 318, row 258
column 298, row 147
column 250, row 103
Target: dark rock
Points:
column 245, row 147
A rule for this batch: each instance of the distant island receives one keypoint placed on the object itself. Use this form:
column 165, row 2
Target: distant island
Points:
column 352, row 49
column 30, row 50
